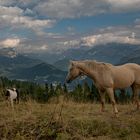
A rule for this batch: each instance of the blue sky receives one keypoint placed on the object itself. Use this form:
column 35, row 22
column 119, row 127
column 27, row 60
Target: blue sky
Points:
column 50, row 25
column 85, row 24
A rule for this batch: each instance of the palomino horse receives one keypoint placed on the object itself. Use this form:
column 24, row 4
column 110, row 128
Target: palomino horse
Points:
column 108, row 77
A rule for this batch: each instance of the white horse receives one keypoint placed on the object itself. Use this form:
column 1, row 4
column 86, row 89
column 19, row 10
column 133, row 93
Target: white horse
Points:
column 108, row 77
column 12, row 94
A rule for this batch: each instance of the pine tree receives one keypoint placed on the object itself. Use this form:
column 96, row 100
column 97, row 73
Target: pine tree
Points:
column 77, row 93
column 46, row 88
column 86, row 92
column 65, row 88
column 94, row 93
column 52, row 91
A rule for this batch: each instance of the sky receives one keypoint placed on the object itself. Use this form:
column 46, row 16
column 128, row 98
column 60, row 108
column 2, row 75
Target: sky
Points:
column 55, row 25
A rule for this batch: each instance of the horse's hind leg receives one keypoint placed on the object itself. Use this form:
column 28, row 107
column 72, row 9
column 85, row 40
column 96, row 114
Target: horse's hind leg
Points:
column 17, row 100
column 110, row 93
column 102, row 96
column 136, row 90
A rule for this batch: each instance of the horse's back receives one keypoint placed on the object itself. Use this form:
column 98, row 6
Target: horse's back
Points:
column 127, row 74
column 136, row 69
column 133, row 66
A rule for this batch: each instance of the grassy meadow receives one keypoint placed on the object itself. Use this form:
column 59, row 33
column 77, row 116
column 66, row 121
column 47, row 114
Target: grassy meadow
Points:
column 67, row 120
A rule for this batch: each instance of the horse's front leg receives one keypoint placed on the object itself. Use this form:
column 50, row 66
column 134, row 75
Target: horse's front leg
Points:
column 12, row 103
column 102, row 96
column 110, row 93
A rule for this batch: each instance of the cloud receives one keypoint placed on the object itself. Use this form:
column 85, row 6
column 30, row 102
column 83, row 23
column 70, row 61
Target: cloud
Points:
column 20, row 3
column 10, row 43
column 13, row 17
column 33, row 17
column 70, row 8
column 10, row 11
column 73, row 8
column 44, row 47
column 28, row 45
column 7, row 2
column 124, row 5
column 108, row 38
column 78, row 8
column 137, row 21
column 19, row 22
column 107, row 35
column 29, row 22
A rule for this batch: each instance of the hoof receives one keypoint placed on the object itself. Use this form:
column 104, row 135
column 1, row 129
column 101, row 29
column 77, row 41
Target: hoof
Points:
column 116, row 115
column 102, row 111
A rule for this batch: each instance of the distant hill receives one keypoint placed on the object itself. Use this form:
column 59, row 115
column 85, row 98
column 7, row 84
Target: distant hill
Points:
column 41, row 73
column 8, row 52
column 62, row 64
column 8, row 63
column 113, row 53
column 130, row 60
column 133, row 57
column 21, row 67
column 29, row 67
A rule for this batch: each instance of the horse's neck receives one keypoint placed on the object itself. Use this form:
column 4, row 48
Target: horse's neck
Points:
column 88, row 69
column 11, row 92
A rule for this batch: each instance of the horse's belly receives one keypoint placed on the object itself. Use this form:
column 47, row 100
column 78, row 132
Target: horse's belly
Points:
column 13, row 95
column 122, row 84
column 124, row 80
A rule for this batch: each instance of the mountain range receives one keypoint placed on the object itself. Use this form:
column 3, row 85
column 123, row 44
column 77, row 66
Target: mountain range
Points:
column 111, row 53
column 52, row 67
column 24, row 68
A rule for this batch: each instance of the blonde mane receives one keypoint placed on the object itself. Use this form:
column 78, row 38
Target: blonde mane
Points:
column 92, row 64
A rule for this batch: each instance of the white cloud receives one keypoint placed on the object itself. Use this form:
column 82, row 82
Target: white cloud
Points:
column 73, row 8
column 124, row 5
column 71, row 43
column 103, row 38
column 32, row 23
column 70, row 8
column 25, row 13
column 108, row 38
column 22, row 3
column 44, row 47
column 10, row 11
column 6, row 2
column 28, row 45
column 13, row 17
column 78, row 8
column 10, row 43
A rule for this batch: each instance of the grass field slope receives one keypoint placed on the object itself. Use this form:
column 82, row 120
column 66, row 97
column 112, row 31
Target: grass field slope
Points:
column 67, row 120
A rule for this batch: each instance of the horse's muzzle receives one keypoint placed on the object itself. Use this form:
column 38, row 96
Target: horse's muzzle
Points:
column 68, row 80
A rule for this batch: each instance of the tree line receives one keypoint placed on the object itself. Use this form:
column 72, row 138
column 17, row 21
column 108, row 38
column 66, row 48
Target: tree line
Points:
column 44, row 92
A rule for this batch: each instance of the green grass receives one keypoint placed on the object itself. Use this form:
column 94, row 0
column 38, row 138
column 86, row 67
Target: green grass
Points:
column 68, row 121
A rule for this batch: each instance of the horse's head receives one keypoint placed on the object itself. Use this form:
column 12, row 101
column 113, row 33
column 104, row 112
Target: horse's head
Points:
column 74, row 72
column 6, row 93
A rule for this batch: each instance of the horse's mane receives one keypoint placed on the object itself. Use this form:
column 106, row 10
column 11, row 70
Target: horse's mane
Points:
column 93, row 64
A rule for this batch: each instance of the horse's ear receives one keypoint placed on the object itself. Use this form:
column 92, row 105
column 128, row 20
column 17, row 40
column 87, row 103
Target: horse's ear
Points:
column 72, row 62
